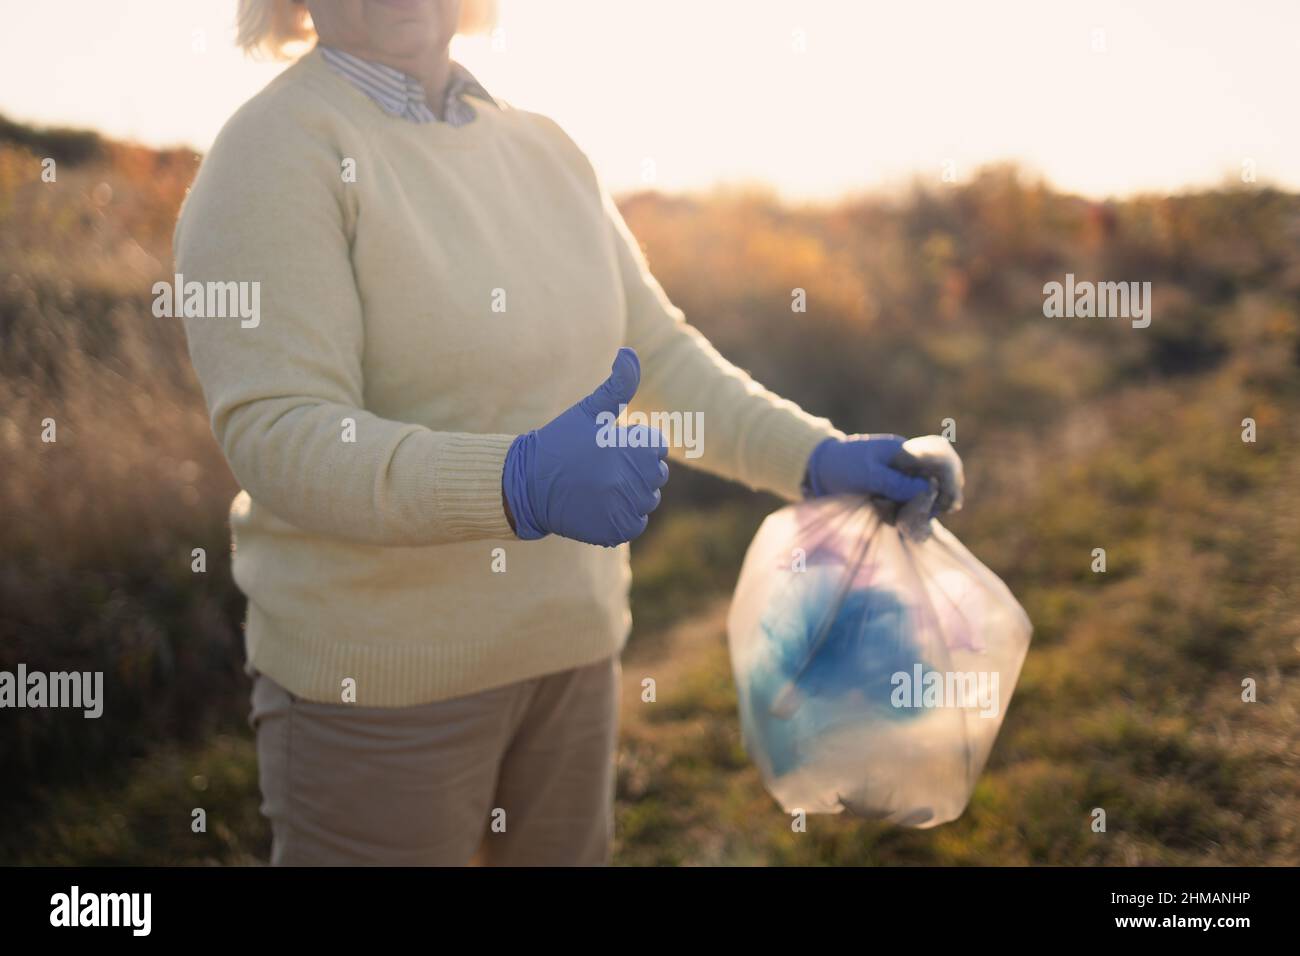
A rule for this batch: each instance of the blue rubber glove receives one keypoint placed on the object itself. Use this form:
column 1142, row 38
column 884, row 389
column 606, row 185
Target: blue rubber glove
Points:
column 581, row 476
column 860, row 465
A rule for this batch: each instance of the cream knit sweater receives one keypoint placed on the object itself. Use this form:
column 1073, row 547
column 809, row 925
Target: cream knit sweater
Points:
column 368, row 411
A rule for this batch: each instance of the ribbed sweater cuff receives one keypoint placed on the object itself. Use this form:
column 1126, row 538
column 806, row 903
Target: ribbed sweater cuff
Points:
column 788, row 442
column 467, row 486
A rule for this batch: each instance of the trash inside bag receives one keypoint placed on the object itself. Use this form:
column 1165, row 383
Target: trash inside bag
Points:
column 874, row 658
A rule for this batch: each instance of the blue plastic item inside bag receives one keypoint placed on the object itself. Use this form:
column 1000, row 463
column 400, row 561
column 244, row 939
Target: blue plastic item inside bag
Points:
column 797, row 693
column 873, row 663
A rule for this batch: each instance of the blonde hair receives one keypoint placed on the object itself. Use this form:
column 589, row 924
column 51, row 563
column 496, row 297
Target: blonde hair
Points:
column 282, row 29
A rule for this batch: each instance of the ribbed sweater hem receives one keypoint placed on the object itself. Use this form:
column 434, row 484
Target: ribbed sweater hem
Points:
column 410, row 673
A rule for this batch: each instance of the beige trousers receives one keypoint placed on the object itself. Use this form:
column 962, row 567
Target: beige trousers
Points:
column 518, row 775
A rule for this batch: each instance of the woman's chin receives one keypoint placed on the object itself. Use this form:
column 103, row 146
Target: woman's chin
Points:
column 408, row 43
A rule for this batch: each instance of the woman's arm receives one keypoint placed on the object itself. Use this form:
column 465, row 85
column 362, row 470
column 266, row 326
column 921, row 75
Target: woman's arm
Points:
column 750, row 434
column 281, row 392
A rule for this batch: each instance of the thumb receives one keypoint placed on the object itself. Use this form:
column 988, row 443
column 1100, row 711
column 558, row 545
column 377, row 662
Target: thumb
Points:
column 618, row 389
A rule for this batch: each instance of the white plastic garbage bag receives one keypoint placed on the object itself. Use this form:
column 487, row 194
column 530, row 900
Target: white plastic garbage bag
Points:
column 874, row 659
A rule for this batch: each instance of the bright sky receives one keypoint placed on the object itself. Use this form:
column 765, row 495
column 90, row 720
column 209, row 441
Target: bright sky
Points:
column 815, row 97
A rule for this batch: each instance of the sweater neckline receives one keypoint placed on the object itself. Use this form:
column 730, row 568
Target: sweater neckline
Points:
column 340, row 91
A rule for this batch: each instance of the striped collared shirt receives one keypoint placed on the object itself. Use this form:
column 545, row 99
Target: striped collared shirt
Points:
column 401, row 95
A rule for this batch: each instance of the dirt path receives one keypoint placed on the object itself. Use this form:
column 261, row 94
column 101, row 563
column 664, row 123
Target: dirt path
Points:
column 670, row 660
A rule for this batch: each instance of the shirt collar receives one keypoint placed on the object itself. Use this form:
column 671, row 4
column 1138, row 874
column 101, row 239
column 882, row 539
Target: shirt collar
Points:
column 399, row 94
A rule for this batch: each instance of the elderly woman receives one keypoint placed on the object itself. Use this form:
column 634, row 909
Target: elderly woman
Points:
column 432, row 535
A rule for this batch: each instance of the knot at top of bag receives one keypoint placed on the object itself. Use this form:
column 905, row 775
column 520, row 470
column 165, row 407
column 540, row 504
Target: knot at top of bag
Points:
column 930, row 457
